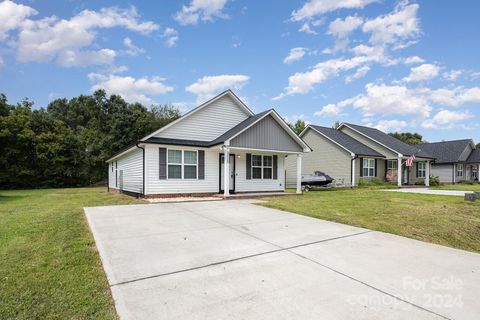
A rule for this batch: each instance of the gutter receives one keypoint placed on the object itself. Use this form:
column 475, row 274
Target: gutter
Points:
column 143, row 166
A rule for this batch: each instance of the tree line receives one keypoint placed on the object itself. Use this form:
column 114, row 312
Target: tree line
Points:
column 66, row 143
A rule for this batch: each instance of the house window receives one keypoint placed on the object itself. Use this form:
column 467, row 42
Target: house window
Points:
column 391, row 164
column 262, row 167
column 368, row 167
column 190, row 164
column 174, row 160
column 421, row 169
column 112, row 166
column 474, row 172
column 460, row 170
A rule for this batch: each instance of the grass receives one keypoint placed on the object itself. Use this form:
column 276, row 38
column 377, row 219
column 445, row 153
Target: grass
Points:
column 445, row 220
column 49, row 265
column 461, row 187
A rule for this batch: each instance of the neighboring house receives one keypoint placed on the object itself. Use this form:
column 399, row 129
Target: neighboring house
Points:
column 454, row 160
column 187, row 156
column 354, row 152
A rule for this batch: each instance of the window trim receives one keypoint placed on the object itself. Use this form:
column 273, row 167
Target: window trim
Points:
column 261, row 166
column 421, row 172
column 368, row 168
column 182, row 164
column 459, row 169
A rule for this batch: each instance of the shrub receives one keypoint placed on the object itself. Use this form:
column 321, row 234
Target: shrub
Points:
column 361, row 183
column 434, row 181
column 469, row 182
column 419, row 183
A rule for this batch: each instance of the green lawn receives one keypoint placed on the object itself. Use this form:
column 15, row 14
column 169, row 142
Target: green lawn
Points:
column 446, row 220
column 461, row 187
column 49, row 265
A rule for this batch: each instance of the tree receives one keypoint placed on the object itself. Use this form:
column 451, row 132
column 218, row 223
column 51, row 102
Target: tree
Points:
column 478, row 146
column 67, row 143
column 298, row 127
column 408, row 137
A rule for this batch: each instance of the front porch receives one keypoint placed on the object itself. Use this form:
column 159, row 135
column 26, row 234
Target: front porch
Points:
column 417, row 174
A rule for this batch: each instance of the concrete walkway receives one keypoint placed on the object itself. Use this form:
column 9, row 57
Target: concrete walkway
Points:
column 431, row 191
column 236, row 260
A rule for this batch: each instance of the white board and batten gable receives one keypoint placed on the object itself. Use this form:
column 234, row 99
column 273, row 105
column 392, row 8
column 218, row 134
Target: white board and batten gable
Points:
column 208, row 121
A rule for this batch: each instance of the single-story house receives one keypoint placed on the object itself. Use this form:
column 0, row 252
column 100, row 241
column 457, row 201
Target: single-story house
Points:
column 352, row 152
column 219, row 147
column 454, row 160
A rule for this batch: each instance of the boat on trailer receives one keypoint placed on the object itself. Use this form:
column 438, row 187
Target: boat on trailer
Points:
column 317, row 179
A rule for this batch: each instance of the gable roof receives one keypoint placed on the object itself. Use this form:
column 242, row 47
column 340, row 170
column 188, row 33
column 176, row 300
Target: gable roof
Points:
column 230, row 134
column 388, row 141
column 200, row 107
column 345, row 141
column 474, row 156
column 446, row 151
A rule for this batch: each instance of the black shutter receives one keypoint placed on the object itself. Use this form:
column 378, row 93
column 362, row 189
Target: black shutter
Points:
column 116, row 174
column 275, row 167
column 201, row 165
column 375, row 173
column 386, row 167
column 249, row 166
column 162, row 161
column 416, row 168
column 361, row 167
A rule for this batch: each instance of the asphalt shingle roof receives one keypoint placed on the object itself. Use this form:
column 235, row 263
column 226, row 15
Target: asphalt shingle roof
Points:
column 446, row 151
column 391, row 142
column 474, row 156
column 347, row 142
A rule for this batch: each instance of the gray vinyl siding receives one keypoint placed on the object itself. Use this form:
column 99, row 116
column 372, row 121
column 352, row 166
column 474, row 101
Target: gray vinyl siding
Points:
column 443, row 171
column 326, row 156
column 380, row 174
column 111, row 174
column 370, row 143
column 208, row 123
column 266, row 134
column 130, row 171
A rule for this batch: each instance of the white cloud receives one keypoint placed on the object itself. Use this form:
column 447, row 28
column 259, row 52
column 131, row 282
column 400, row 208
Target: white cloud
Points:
column 171, row 37
column 206, row 87
column 67, row 41
column 452, row 75
column 306, row 28
column 413, row 60
column 131, row 89
column 295, row 54
column 360, row 73
column 401, row 24
column 446, row 119
column 12, row 15
column 312, row 8
column 204, row 10
column 2, row 63
column 342, row 28
column 132, row 49
column 389, row 125
column 329, row 110
column 423, row 72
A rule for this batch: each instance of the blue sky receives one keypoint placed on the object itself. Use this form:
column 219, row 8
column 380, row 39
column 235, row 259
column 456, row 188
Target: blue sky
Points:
column 394, row 65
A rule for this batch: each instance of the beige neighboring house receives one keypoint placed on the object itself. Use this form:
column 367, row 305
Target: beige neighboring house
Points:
column 354, row 152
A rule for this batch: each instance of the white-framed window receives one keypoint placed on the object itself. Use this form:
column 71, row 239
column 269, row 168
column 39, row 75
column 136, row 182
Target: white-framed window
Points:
column 392, row 164
column 262, row 167
column 460, row 170
column 422, row 169
column 368, row 167
column 474, row 172
column 182, row 164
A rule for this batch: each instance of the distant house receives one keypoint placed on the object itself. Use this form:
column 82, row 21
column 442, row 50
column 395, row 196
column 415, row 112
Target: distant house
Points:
column 354, row 152
column 454, row 160
column 219, row 147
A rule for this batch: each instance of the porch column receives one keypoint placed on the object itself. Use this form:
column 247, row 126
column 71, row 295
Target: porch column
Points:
column 427, row 174
column 353, row 171
column 226, row 171
column 399, row 171
column 299, row 173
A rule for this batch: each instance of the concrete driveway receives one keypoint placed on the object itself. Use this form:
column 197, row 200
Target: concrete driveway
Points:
column 237, row 260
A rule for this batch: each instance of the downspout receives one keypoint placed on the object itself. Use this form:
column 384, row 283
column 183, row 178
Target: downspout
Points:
column 143, row 167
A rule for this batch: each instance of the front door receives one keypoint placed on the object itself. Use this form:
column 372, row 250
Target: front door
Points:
column 232, row 173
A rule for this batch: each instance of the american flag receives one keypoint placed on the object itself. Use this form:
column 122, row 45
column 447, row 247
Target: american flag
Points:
column 409, row 161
